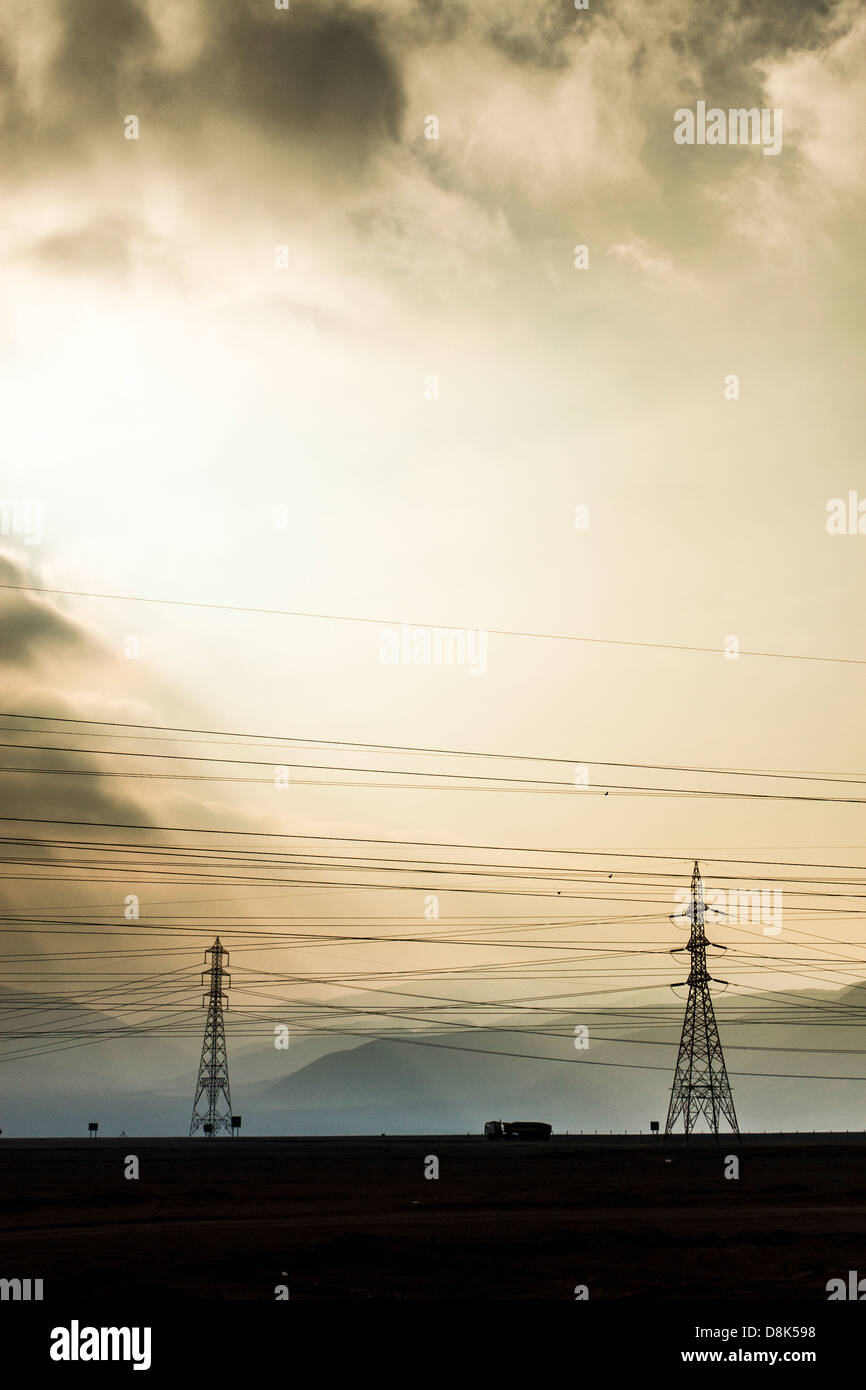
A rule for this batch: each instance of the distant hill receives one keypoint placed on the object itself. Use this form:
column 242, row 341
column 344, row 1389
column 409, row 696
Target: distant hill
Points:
column 448, row 1081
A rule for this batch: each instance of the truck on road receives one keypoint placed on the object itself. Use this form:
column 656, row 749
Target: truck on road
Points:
column 517, row 1129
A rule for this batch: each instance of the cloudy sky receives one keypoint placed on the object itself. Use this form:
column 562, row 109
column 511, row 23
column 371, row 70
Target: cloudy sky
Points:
column 282, row 351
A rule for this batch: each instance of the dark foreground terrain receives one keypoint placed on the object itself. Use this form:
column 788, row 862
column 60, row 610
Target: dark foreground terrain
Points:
column 356, row 1218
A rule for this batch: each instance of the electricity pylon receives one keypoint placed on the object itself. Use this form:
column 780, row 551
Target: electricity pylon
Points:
column 212, row 1107
column 701, row 1085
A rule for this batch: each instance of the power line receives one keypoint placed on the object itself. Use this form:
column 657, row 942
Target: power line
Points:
column 492, row 783
column 425, row 844
column 440, row 627
column 283, row 739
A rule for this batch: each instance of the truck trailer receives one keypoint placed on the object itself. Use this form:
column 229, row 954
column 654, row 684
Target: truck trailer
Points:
column 517, row 1129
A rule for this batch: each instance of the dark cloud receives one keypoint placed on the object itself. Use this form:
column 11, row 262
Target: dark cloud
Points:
column 538, row 35
column 321, row 74
column 528, row 35
column 435, row 21
column 85, row 794
column 537, row 38
column 721, row 56
column 328, row 74
column 106, row 59
column 53, row 666
column 728, row 43
column 321, row 85
column 31, row 629
column 773, row 27
column 100, row 246
column 28, row 629
column 39, row 647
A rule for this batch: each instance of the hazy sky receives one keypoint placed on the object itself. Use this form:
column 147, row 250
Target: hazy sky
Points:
column 192, row 421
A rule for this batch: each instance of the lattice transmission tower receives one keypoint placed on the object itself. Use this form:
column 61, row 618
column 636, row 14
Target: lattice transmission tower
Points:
column 212, row 1107
column 701, row 1085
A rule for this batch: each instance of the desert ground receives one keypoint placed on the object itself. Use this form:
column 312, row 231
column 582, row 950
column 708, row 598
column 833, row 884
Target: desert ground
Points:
column 357, row 1219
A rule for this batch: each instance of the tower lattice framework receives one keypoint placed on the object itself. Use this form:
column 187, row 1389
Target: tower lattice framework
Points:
column 701, row 1085
column 213, row 1103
